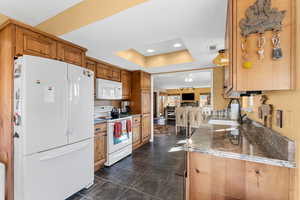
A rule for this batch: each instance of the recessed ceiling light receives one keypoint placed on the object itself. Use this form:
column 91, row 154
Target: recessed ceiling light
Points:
column 176, row 45
column 150, row 50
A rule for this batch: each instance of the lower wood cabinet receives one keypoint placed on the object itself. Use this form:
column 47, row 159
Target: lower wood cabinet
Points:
column 146, row 127
column 136, row 132
column 100, row 145
column 215, row 178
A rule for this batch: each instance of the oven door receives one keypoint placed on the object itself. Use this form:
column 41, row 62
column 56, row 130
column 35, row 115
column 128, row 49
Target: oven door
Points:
column 117, row 143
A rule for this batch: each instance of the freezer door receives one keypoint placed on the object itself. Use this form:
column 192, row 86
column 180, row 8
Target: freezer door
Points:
column 44, row 121
column 58, row 173
column 81, row 103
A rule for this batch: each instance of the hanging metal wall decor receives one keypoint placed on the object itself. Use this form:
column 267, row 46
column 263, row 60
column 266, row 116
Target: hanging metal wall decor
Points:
column 261, row 17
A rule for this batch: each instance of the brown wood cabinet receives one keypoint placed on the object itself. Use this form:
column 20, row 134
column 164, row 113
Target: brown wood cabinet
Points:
column 146, row 101
column 103, row 71
column 266, row 74
column 136, row 132
column 214, row 178
column 126, row 84
column 116, row 74
column 146, row 128
column 70, row 54
column 31, row 43
column 91, row 64
column 100, row 145
column 141, row 93
column 145, row 81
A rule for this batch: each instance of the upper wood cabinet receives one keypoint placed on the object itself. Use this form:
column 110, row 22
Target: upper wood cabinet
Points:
column 126, row 84
column 146, row 101
column 116, row 74
column 141, row 93
column 266, row 74
column 145, row 81
column 31, row 43
column 91, row 65
column 104, row 71
column 70, row 54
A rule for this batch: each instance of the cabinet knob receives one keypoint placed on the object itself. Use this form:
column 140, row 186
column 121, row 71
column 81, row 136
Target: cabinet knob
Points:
column 197, row 171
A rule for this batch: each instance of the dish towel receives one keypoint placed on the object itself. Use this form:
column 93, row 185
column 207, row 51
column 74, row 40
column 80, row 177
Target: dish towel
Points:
column 128, row 125
column 117, row 129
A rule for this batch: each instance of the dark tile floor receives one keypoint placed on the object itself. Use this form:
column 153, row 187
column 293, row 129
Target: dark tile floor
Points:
column 150, row 173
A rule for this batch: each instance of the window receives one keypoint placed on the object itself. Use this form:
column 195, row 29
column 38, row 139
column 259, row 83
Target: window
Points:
column 205, row 100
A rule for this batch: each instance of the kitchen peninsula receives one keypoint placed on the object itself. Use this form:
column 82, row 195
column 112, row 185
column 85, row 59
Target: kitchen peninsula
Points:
column 244, row 162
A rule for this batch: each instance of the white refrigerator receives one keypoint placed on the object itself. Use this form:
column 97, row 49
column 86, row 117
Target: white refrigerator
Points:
column 53, row 129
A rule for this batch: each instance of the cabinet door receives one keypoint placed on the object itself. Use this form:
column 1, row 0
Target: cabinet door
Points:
column 146, row 101
column 99, row 149
column 228, row 69
column 136, row 135
column 91, row 65
column 145, row 81
column 116, row 74
column 146, row 127
column 31, row 43
column 103, row 71
column 266, row 182
column 70, row 54
column 126, row 84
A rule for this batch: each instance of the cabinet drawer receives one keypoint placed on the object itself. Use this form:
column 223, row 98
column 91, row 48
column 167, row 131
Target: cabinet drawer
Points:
column 70, row 54
column 136, row 120
column 102, row 127
column 31, row 43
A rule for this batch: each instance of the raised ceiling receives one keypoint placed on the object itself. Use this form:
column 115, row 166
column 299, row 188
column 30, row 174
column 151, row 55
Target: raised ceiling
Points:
column 197, row 23
column 130, row 24
column 200, row 79
column 161, row 47
column 33, row 12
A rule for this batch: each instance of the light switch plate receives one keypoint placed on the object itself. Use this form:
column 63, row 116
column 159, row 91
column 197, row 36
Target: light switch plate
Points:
column 279, row 118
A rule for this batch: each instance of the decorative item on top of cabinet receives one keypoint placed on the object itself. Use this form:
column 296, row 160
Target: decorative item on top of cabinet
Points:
column 100, row 145
column 267, row 73
column 70, row 54
column 126, row 84
column 31, row 43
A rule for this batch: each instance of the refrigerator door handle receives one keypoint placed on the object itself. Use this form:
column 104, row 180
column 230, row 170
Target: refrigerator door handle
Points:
column 59, row 154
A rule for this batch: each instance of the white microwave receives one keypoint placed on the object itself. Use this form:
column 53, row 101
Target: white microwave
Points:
column 110, row 90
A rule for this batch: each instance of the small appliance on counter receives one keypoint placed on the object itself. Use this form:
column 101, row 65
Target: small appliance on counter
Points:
column 125, row 107
column 115, row 113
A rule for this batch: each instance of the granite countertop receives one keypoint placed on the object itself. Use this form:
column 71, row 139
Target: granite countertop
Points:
column 249, row 141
